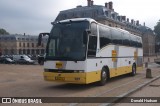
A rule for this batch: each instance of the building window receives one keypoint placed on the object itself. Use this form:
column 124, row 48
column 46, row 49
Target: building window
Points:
column 32, row 51
column 23, row 44
column 28, row 51
column 19, row 44
column 32, row 44
column 106, row 13
column 27, row 44
column 37, row 51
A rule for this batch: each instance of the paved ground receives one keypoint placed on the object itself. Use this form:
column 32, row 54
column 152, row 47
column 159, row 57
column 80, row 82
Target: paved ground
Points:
column 151, row 90
column 27, row 81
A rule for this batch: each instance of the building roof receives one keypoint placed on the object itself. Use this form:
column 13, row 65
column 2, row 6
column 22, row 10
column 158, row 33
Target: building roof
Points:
column 99, row 12
column 20, row 37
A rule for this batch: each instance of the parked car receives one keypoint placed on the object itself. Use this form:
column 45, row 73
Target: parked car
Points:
column 25, row 61
column 6, row 60
column 17, row 57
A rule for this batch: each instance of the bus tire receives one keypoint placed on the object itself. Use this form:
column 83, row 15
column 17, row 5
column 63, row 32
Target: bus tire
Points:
column 133, row 73
column 104, row 77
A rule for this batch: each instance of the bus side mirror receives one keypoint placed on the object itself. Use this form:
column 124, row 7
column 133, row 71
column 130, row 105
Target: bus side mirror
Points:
column 40, row 38
column 85, row 37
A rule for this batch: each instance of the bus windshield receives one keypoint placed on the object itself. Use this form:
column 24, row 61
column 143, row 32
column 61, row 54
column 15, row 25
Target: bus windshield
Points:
column 66, row 41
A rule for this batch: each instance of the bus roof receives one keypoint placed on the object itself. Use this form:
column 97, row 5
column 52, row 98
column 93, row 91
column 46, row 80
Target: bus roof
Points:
column 79, row 19
column 92, row 20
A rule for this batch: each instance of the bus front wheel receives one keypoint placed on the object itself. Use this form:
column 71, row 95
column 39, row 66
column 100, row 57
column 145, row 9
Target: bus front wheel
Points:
column 103, row 77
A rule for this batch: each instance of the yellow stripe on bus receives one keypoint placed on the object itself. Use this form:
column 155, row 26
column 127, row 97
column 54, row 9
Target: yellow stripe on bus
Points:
column 87, row 77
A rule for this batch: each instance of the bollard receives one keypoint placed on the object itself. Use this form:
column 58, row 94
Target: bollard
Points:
column 148, row 73
column 146, row 65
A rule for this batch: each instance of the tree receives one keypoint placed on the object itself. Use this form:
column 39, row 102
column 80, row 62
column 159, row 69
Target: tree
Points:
column 3, row 32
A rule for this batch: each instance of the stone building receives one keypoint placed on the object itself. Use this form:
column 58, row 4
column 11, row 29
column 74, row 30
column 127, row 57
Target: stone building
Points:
column 106, row 15
column 21, row 44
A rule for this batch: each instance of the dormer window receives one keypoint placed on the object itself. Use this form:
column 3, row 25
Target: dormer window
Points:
column 106, row 13
column 113, row 16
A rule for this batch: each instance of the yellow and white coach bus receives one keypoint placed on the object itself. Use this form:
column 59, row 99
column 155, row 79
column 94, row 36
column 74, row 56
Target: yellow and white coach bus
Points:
column 83, row 51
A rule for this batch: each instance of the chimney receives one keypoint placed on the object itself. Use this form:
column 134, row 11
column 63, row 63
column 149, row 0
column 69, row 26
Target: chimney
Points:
column 127, row 19
column 92, row 3
column 132, row 21
column 144, row 24
column 111, row 5
column 107, row 5
column 89, row 3
column 137, row 23
column 24, row 34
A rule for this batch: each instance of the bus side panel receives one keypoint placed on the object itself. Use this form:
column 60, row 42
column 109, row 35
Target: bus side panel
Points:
column 124, row 59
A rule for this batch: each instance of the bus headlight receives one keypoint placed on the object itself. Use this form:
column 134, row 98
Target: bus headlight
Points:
column 46, row 70
column 81, row 71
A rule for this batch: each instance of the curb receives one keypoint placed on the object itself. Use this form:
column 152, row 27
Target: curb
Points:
column 130, row 92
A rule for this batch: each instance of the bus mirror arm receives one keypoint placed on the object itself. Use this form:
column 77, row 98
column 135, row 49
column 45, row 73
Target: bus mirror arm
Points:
column 40, row 38
column 88, row 31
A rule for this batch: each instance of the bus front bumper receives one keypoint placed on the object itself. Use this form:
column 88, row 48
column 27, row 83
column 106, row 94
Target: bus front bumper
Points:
column 78, row 78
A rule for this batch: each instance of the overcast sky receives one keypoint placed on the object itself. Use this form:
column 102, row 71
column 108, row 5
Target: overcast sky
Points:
column 35, row 16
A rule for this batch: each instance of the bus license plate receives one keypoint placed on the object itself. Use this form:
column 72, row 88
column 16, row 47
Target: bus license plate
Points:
column 60, row 78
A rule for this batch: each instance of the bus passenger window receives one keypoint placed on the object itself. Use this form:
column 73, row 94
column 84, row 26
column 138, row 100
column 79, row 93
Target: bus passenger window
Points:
column 92, row 46
column 104, row 41
column 116, row 37
column 105, row 36
column 133, row 40
column 126, row 39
